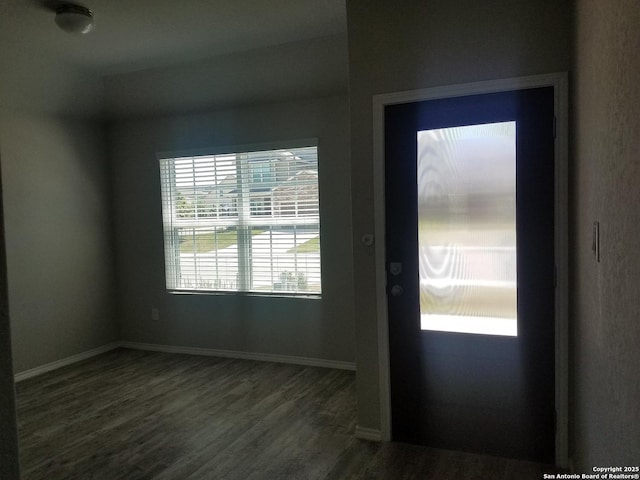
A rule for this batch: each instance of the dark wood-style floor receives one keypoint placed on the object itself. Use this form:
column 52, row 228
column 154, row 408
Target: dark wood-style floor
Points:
column 140, row 415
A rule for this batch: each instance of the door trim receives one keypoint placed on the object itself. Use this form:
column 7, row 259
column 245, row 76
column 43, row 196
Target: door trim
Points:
column 559, row 82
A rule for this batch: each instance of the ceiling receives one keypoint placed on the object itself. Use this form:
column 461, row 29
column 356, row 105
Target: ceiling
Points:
column 132, row 35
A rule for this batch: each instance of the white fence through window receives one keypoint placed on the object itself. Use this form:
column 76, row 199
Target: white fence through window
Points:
column 242, row 221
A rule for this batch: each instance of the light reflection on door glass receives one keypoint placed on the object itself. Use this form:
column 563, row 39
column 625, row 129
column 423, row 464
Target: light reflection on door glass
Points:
column 467, row 229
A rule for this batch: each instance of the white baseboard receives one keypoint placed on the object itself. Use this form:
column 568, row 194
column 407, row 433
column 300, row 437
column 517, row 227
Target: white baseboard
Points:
column 261, row 357
column 18, row 377
column 370, row 434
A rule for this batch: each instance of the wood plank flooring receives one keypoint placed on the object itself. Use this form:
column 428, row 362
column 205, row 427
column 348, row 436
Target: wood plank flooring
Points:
column 141, row 415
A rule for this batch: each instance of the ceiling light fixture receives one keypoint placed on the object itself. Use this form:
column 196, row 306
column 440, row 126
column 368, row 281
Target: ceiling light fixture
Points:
column 74, row 18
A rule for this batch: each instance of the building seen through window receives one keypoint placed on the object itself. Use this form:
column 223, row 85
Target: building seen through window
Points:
column 245, row 221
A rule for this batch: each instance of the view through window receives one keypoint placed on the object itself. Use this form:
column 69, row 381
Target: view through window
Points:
column 467, row 229
column 244, row 221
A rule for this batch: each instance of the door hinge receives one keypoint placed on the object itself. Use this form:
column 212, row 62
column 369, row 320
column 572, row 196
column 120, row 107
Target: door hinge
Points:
column 555, row 127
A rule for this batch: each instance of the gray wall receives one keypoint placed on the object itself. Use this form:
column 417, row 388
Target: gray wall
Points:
column 57, row 224
column 299, row 327
column 606, row 333
column 58, row 236
column 293, row 71
column 50, row 315
column 32, row 81
column 9, row 461
column 416, row 44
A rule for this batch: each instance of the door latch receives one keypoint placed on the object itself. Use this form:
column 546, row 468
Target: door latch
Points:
column 397, row 290
column 395, row 268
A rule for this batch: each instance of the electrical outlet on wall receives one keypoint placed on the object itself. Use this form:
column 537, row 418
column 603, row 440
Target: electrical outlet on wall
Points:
column 155, row 314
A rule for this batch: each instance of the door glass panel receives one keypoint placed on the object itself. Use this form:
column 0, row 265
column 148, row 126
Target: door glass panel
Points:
column 467, row 229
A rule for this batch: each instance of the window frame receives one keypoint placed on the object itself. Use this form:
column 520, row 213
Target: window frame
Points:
column 229, row 150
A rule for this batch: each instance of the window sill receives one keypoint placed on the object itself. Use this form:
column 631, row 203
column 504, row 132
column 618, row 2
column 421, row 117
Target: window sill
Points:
column 219, row 293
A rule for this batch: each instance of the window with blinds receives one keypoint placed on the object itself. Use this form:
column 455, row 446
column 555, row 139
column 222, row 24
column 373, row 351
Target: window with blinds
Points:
column 242, row 222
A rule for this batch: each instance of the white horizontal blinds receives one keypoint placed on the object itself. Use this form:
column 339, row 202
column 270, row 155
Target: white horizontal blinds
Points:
column 167, row 184
column 243, row 222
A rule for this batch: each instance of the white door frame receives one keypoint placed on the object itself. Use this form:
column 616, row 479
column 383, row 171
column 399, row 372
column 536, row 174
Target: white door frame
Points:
column 560, row 84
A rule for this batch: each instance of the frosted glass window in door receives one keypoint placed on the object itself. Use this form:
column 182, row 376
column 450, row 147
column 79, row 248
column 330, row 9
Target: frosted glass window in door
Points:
column 467, row 228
